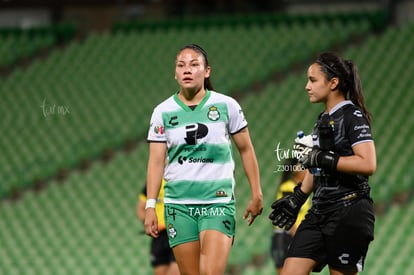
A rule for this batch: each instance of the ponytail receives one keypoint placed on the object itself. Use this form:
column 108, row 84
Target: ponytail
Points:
column 355, row 89
column 349, row 81
column 207, row 84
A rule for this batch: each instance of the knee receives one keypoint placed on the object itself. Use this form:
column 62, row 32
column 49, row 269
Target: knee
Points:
column 211, row 270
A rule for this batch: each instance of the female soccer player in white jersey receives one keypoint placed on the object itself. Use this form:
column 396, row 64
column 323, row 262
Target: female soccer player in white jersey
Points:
column 340, row 224
column 193, row 129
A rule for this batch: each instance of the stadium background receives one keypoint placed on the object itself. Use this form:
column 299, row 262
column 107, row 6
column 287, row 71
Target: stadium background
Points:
column 79, row 81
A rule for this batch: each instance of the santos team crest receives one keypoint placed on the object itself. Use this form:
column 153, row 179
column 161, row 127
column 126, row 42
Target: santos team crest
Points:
column 213, row 113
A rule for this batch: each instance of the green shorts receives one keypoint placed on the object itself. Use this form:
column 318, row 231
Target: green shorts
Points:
column 184, row 222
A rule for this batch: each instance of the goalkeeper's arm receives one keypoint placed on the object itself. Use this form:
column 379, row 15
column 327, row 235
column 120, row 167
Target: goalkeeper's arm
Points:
column 307, row 183
column 362, row 162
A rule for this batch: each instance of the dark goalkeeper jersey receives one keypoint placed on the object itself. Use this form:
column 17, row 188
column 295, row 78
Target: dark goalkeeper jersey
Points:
column 344, row 127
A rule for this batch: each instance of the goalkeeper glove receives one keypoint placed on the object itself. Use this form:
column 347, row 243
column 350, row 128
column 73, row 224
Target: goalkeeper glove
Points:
column 285, row 210
column 320, row 159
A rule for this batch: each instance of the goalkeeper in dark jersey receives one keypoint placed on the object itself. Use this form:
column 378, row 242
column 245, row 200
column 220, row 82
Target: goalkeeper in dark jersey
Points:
column 340, row 224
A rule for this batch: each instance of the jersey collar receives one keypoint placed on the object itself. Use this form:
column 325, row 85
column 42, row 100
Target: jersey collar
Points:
column 199, row 106
column 340, row 105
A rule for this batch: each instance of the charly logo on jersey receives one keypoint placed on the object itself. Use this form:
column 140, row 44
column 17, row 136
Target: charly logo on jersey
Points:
column 213, row 113
column 173, row 121
column 357, row 113
column 344, row 258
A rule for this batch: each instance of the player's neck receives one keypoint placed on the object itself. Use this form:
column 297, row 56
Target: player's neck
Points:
column 191, row 97
column 332, row 101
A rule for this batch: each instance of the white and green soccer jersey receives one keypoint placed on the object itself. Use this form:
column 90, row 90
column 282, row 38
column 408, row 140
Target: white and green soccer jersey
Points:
column 200, row 167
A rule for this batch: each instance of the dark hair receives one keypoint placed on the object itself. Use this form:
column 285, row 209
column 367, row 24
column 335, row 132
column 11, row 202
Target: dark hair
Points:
column 347, row 73
column 197, row 48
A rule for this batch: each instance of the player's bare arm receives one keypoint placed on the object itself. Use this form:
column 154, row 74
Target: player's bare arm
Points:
column 251, row 168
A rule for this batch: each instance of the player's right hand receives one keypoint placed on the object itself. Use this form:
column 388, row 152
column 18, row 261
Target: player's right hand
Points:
column 151, row 223
column 254, row 209
column 286, row 209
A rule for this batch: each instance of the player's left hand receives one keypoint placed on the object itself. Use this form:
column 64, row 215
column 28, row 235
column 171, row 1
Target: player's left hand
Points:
column 254, row 209
column 320, row 159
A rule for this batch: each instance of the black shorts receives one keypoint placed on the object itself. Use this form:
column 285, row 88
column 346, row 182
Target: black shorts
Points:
column 339, row 239
column 280, row 244
column 161, row 252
